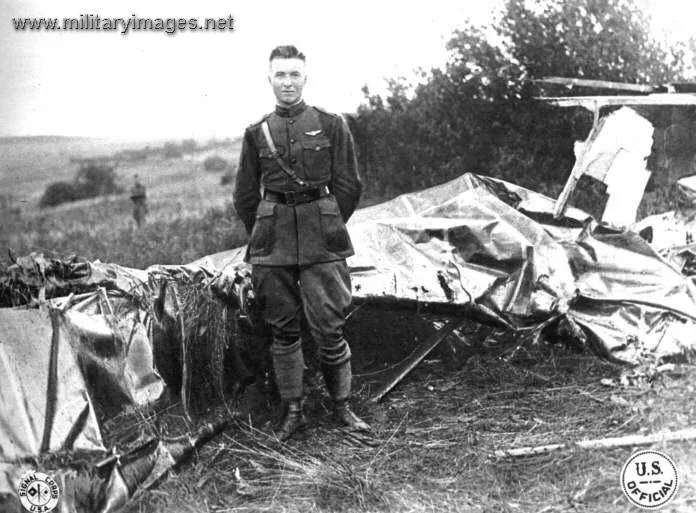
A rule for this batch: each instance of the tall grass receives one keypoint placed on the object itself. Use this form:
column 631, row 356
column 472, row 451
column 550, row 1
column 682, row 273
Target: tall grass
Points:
column 105, row 231
column 190, row 216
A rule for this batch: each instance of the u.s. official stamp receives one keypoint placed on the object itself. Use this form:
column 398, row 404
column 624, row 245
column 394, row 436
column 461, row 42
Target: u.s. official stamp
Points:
column 38, row 492
column 649, row 479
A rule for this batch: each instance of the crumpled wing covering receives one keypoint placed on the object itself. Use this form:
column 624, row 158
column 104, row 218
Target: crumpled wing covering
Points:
column 42, row 386
column 36, row 275
column 488, row 241
column 116, row 354
column 88, row 348
column 43, row 398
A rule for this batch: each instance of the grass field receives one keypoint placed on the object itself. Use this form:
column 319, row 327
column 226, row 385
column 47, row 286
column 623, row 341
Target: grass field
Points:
column 434, row 436
column 188, row 218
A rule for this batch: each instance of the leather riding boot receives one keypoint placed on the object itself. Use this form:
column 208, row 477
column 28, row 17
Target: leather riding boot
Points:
column 288, row 366
column 338, row 381
column 344, row 415
column 293, row 421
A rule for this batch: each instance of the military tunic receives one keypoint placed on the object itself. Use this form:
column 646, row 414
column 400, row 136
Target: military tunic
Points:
column 318, row 146
column 298, row 251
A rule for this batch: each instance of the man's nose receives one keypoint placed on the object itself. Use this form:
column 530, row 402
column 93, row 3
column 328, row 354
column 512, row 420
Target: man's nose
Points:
column 286, row 81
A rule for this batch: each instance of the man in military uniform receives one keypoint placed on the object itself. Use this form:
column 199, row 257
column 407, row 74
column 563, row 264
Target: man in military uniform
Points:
column 296, row 186
column 139, row 198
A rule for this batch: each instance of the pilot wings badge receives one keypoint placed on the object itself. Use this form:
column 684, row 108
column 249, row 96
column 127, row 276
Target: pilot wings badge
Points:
column 313, row 132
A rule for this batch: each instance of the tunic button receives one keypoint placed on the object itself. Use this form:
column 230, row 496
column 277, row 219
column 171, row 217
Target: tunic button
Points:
column 290, row 122
column 292, row 141
column 318, row 148
column 293, row 160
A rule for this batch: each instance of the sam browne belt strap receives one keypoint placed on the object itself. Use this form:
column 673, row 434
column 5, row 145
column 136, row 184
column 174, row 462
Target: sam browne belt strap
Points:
column 274, row 152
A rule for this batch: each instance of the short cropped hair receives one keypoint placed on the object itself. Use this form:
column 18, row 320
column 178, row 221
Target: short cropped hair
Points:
column 286, row 52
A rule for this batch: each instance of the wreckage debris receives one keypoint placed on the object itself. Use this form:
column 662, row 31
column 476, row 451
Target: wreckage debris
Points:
column 475, row 249
column 410, row 363
column 116, row 480
column 145, row 466
column 603, row 443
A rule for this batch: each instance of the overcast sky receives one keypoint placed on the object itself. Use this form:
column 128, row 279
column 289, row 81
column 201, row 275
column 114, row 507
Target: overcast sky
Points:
column 202, row 84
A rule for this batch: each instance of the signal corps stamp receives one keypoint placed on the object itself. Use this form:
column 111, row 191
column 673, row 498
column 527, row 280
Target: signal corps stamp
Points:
column 649, row 479
column 38, row 492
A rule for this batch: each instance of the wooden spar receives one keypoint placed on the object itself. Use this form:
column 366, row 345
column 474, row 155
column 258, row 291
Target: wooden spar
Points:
column 599, row 84
column 185, row 355
column 578, row 168
column 602, row 443
column 104, row 302
column 411, row 362
column 589, row 102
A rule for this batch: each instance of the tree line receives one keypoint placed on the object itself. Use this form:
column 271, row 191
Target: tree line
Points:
column 478, row 115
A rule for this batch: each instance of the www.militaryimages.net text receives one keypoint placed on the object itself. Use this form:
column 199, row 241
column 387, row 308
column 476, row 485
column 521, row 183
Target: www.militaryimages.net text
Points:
column 124, row 26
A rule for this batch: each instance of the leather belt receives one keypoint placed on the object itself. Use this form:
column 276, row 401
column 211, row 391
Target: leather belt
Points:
column 292, row 198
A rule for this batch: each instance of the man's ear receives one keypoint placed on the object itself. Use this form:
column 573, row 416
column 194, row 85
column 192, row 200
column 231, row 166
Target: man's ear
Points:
column 269, row 79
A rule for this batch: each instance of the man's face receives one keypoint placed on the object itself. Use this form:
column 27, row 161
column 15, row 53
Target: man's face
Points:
column 288, row 78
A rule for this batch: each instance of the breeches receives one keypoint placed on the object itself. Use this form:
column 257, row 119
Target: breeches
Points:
column 321, row 291
column 139, row 212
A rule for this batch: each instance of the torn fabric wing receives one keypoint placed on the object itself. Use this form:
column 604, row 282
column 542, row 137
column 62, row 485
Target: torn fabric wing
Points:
column 477, row 239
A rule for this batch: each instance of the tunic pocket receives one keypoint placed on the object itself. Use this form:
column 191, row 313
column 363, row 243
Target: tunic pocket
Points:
column 334, row 231
column 263, row 234
column 316, row 157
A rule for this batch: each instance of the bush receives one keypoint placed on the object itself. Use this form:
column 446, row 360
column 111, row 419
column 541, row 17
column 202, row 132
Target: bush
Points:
column 215, row 163
column 96, row 180
column 91, row 181
column 59, row 192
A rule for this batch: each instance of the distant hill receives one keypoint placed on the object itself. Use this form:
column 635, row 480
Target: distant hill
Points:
column 10, row 139
column 29, row 163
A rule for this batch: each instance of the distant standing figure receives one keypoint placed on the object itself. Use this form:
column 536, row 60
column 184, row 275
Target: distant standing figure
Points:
column 139, row 198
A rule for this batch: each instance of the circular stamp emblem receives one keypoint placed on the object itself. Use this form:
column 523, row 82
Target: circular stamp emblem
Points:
column 649, row 479
column 38, row 492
